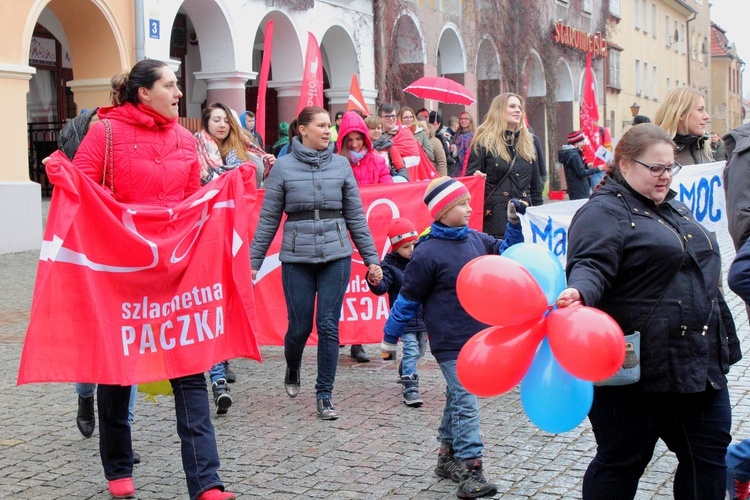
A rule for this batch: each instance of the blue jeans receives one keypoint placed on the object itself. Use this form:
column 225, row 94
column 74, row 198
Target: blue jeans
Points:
column 460, row 423
column 216, row 372
column 627, row 424
column 415, row 345
column 87, row 391
column 738, row 464
column 302, row 282
column 200, row 457
column 595, row 179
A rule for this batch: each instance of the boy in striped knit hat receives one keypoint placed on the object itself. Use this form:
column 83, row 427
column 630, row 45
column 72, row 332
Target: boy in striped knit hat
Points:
column 430, row 283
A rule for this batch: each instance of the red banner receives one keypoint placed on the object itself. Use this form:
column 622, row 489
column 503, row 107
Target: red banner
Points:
column 265, row 69
column 356, row 100
column 363, row 313
column 311, row 93
column 126, row 294
column 590, row 111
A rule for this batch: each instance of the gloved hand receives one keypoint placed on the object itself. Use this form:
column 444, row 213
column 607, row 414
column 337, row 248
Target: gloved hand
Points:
column 387, row 351
column 515, row 207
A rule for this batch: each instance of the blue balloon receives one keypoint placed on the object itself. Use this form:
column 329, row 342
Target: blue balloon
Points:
column 554, row 400
column 543, row 266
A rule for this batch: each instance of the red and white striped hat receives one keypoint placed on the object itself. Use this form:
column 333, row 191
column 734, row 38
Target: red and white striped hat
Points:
column 400, row 232
column 444, row 193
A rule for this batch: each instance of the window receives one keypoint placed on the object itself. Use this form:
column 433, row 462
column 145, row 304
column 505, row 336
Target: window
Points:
column 644, row 87
column 675, row 32
column 655, row 83
column 586, row 6
column 667, row 89
column 667, row 35
column 682, row 38
column 638, row 77
column 644, row 12
column 653, row 19
column 637, row 14
column 614, row 7
column 614, row 68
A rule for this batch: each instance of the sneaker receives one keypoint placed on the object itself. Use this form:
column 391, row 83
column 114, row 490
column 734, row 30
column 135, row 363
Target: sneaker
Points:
column 325, row 408
column 222, row 399
column 292, row 382
column 136, row 458
column 359, row 354
column 122, row 488
column 472, row 483
column 216, row 494
column 447, row 466
column 229, row 375
column 741, row 490
column 411, row 390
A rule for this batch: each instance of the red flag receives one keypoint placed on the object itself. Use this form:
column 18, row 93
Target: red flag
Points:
column 312, row 78
column 126, row 294
column 356, row 101
column 363, row 313
column 589, row 110
column 265, row 69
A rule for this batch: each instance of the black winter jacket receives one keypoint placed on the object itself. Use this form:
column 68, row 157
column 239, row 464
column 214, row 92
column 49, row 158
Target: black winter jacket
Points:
column 72, row 133
column 624, row 252
column 524, row 183
column 737, row 183
column 393, row 266
column 576, row 173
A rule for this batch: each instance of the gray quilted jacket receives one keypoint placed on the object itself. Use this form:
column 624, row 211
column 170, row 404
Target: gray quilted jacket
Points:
column 304, row 180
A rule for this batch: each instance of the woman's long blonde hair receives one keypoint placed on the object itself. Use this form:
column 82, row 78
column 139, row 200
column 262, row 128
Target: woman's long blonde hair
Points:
column 235, row 140
column 678, row 103
column 491, row 133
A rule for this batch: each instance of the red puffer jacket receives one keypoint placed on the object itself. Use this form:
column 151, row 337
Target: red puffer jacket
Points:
column 371, row 169
column 155, row 160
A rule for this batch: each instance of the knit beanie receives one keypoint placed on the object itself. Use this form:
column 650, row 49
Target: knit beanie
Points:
column 576, row 137
column 400, row 232
column 444, row 193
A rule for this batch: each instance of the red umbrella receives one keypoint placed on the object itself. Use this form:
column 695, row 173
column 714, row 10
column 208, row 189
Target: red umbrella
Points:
column 440, row 89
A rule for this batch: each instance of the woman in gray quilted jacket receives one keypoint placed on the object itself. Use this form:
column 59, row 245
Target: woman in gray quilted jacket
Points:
column 318, row 192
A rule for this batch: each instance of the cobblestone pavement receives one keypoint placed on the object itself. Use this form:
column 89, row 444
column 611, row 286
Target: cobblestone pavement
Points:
column 275, row 447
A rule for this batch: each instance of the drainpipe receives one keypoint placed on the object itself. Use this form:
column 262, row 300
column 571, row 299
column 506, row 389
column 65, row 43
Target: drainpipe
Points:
column 139, row 33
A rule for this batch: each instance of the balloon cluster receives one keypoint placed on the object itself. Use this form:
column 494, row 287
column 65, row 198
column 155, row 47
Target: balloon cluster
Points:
column 556, row 354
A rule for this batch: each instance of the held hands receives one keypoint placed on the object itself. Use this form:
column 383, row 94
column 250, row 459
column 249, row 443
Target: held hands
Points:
column 253, row 274
column 374, row 274
column 515, row 207
column 387, row 351
column 568, row 297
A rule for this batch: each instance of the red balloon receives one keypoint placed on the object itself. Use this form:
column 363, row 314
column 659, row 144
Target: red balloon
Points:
column 499, row 291
column 495, row 360
column 587, row 342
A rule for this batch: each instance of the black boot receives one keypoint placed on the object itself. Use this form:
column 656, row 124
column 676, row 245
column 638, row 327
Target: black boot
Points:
column 472, row 483
column 411, row 390
column 358, row 353
column 229, row 375
column 86, row 421
column 222, row 399
column 292, row 382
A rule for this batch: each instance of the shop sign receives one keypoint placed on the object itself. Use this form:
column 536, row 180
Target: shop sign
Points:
column 580, row 40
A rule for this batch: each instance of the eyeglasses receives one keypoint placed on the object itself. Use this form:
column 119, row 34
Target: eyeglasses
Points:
column 388, row 117
column 656, row 171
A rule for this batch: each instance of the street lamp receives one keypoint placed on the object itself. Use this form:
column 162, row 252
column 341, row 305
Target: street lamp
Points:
column 634, row 112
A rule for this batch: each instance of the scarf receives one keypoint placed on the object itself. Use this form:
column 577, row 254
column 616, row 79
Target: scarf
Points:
column 355, row 157
column 443, row 232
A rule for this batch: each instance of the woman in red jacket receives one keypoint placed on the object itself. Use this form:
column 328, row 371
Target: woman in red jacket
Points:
column 154, row 163
column 355, row 145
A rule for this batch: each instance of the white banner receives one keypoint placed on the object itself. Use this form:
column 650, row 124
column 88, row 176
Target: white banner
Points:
column 700, row 187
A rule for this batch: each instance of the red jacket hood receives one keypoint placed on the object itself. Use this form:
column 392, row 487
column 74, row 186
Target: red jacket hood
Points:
column 352, row 122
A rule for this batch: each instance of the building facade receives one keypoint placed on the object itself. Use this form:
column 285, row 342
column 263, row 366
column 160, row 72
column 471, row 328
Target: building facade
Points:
column 59, row 57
